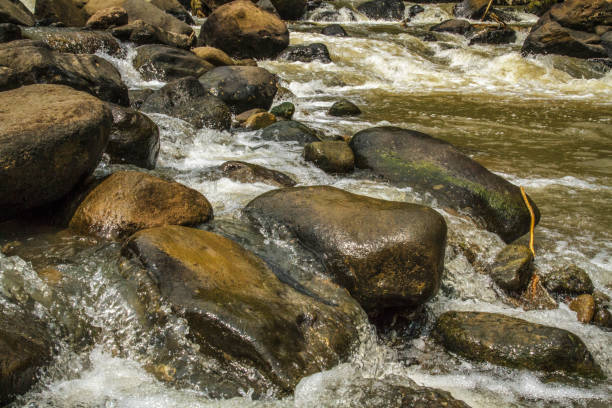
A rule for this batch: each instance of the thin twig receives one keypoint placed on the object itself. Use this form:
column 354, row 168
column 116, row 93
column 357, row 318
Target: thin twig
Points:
column 487, row 10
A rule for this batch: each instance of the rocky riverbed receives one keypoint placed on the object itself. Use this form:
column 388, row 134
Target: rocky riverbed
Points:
column 300, row 204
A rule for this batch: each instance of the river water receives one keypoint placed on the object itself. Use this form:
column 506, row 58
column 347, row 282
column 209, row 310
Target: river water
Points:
column 542, row 122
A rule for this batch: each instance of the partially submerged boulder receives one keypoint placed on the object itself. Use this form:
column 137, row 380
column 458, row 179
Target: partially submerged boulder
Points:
column 494, row 36
column 567, row 280
column 511, row 270
column 51, row 137
column 430, row 165
column 344, row 107
column 243, row 30
column 584, row 306
column 383, row 9
column 306, row 53
column 513, row 342
column 74, row 40
column 187, row 99
column 290, row 131
column 241, row 88
column 128, row 201
column 334, row 30
column 392, row 258
column 333, row 156
column 284, row 110
column 454, row 26
column 168, row 63
column 134, row 138
column 254, row 173
column 30, row 62
column 238, row 310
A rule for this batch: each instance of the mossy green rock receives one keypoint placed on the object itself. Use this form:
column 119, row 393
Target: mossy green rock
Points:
column 430, row 165
column 285, row 110
column 513, row 342
column 387, row 254
column 238, row 310
column 511, row 270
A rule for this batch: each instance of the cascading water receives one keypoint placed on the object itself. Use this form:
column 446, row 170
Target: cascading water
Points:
column 541, row 122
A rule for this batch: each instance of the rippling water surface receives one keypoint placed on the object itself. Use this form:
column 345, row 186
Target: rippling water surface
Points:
column 542, row 122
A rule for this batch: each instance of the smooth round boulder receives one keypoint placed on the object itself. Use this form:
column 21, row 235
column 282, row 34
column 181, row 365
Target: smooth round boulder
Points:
column 187, row 100
column 134, row 138
column 241, row 88
column 511, row 269
column 168, row 63
column 383, row 9
column 284, row 110
column 106, row 18
column 290, row 131
column 237, row 308
column 567, row 280
column 514, row 343
column 333, row 156
column 128, row 201
column 51, row 138
column 306, row 53
column 344, row 107
column 334, row 30
column 254, row 173
column 243, row 30
column 409, row 158
column 392, row 258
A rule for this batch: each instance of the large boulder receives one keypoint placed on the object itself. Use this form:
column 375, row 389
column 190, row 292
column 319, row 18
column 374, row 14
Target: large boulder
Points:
column 254, row 173
column 306, row 53
column 567, row 280
column 513, row 342
column 73, row 40
column 383, row 9
column 433, row 166
column 392, row 258
column 238, row 310
column 141, row 33
column 60, row 11
column 51, row 137
column 290, row 9
column 168, row 63
column 241, row 88
column 243, row 30
column 29, row 62
column 187, row 100
column 25, row 348
column 134, row 138
column 12, row 13
column 128, row 201
column 290, row 131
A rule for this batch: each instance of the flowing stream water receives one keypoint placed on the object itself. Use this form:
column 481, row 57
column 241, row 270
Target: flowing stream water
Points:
column 542, row 122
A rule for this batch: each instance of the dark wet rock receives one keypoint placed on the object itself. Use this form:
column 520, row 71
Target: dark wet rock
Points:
column 512, row 270
column 606, row 42
column 187, row 100
column 428, row 37
column 107, row 18
column 290, row 9
column 175, row 9
column 306, row 53
column 243, row 30
column 472, row 9
column 74, row 40
column 284, row 110
column 25, row 347
column 330, row 156
column 259, row 120
column 42, row 159
column 383, row 9
column 392, row 258
column 167, row 63
column 139, row 96
column 129, row 201
column 253, row 173
column 514, row 343
column 12, row 13
column 213, row 56
column 569, row 279
column 602, row 317
column 290, row 131
column 60, row 11
column 334, row 30
column 9, row 32
column 333, row 15
column 454, row 26
column 430, row 165
column 238, row 310
column 539, row 7
column 241, row 88
column 415, row 9
column 30, row 62
column 142, row 33
column 134, row 138
column 584, row 306
column 582, row 15
column 344, row 107
column 495, row 36
column 267, row 6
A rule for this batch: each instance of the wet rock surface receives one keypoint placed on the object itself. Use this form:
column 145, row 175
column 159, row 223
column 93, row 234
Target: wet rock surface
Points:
column 334, row 30
column 142, row 33
column 253, row 173
column 76, row 41
column 511, row 269
column 495, row 36
column 284, row 110
column 568, row 279
column 306, row 53
column 290, row 9
column 107, row 18
column 414, row 159
column 167, row 63
column 514, row 343
column 330, row 156
column 344, row 107
column 383, row 9
column 290, row 131
column 66, row 12
column 9, row 32
column 453, row 26
column 213, row 56
column 392, row 258
column 12, row 13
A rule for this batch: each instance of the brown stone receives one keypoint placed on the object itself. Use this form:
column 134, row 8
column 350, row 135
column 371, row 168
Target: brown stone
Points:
column 584, row 306
column 241, row 118
column 253, row 173
column 330, row 156
column 259, row 120
column 213, row 56
column 64, row 11
column 107, row 18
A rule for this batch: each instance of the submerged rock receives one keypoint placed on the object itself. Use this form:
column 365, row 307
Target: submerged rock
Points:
column 383, row 9
column 344, row 107
column 129, row 201
column 241, row 88
column 12, row 13
column 239, row 311
column 30, row 62
column 107, row 18
column 306, row 53
column 51, row 137
column 569, row 279
column 76, row 41
column 187, row 100
column 514, row 343
column 243, row 30
column 330, row 156
column 392, row 258
column 167, row 63
column 334, row 30
column 453, row 26
column 511, row 270
column 290, row 131
column 430, row 165
column 134, row 138
column 253, row 173
column 495, row 36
